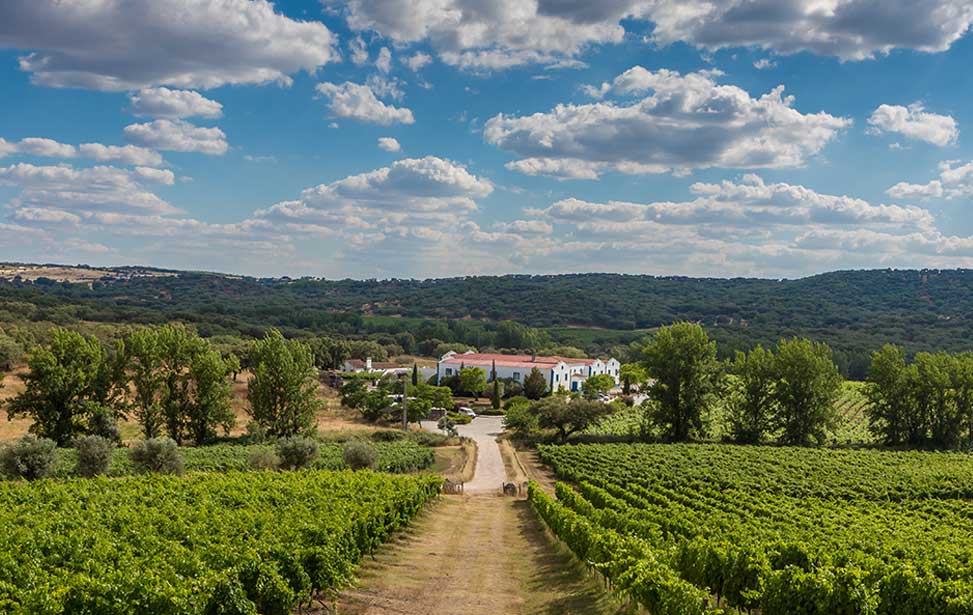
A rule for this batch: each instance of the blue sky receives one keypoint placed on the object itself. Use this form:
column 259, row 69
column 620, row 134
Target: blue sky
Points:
column 429, row 138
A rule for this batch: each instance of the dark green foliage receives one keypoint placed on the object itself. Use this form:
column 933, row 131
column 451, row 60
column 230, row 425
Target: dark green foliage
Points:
column 681, row 359
column 29, row 458
column 359, row 455
column 597, row 385
column 535, row 385
column 283, row 389
column 807, row 385
column 750, row 400
column 64, row 383
column 156, row 455
column 297, row 452
column 568, row 415
column 94, row 455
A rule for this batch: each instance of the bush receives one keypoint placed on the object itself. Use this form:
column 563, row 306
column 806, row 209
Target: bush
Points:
column 29, row 458
column 428, row 438
column 459, row 419
column 520, row 420
column 519, row 400
column 94, row 455
column 297, row 452
column 448, row 425
column 264, row 459
column 359, row 455
column 160, row 455
column 389, row 435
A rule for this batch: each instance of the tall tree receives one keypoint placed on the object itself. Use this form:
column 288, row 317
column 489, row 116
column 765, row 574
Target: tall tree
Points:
column 891, row 411
column 415, row 374
column 632, row 376
column 179, row 382
column 535, row 385
column 148, row 379
column 682, row 362
column 751, row 401
column 209, row 405
column 933, row 396
column 472, row 381
column 962, row 383
column 60, row 385
column 495, row 395
column 807, row 385
column 283, row 387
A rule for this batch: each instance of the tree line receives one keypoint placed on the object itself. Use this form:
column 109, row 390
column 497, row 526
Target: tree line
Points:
column 169, row 380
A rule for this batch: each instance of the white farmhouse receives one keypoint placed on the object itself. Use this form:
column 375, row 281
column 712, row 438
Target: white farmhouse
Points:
column 561, row 373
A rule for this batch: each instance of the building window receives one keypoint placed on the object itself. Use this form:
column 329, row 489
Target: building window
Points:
column 449, row 371
column 517, row 376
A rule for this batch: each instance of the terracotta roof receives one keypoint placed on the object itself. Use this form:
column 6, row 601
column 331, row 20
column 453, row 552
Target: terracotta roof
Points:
column 514, row 360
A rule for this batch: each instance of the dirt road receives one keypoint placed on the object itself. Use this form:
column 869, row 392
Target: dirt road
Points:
column 474, row 555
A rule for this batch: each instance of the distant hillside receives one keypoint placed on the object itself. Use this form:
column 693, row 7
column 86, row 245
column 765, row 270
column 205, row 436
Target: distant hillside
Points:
column 854, row 311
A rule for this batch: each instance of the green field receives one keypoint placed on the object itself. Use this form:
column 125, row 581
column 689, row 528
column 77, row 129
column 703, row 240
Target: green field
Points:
column 235, row 544
column 783, row 530
column 393, row 457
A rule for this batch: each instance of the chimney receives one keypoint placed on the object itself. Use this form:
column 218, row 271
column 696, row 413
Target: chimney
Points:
column 368, row 364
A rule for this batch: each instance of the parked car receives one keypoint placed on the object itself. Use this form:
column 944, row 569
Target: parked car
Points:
column 467, row 411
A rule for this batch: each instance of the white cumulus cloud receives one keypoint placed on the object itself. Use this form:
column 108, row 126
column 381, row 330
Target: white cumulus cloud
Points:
column 178, row 136
column 688, row 122
column 172, row 104
column 389, row 144
column 358, row 101
column 914, row 122
column 127, row 45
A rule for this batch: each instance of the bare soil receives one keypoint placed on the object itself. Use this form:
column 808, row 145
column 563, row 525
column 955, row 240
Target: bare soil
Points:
column 474, row 555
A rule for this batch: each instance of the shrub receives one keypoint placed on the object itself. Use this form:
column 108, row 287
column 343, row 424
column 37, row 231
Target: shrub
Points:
column 459, row 419
column 359, row 455
column 297, row 452
column 448, row 425
column 520, row 420
column 29, row 458
column 519, row 400
column 159, row 455
column 264, row 459
column 389, row 435
column 428, row 438
column 94, row 455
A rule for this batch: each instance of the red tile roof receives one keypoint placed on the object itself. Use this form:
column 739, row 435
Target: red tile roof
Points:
column 514, row 360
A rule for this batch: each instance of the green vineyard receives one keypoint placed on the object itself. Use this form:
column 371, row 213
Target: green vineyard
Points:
column 230, row 544
column 395, row 457
column 693, row 528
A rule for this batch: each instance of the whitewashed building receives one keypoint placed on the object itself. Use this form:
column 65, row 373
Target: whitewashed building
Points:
column 561, row 373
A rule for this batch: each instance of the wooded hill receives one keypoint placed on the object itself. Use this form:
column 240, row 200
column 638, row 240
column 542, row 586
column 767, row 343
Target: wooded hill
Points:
column 853, row 311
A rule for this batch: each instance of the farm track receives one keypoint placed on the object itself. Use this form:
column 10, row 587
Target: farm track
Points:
column 475, row 554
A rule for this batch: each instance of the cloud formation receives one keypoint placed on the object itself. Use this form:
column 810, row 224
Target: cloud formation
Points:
column 49, row 148
column 178, row 136
column 914, row 122
column 688, row 122
column 389, row 144
column 497, row 34
column 124, row 45
column 955, row 181
column 173, row 104
column 358, row 101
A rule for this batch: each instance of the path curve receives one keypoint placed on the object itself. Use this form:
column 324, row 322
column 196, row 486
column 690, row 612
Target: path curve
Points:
column 490, row 473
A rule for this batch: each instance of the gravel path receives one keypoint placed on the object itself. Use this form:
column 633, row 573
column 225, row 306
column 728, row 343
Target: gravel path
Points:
column 490, row 473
